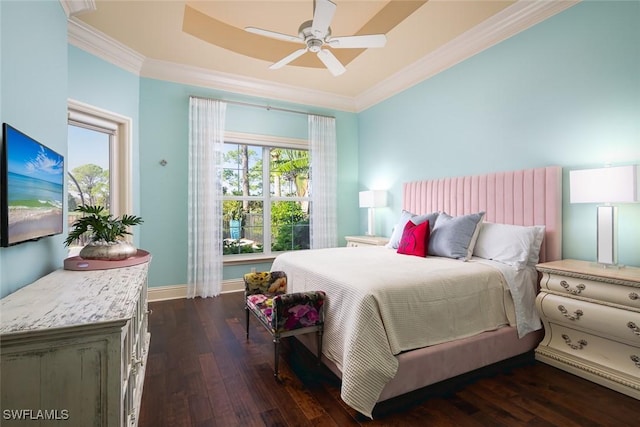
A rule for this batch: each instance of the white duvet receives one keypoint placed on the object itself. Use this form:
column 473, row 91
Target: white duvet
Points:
column 380, row 303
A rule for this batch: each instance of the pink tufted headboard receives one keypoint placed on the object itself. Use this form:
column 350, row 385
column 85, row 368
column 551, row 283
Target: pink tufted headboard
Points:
column 524, row 197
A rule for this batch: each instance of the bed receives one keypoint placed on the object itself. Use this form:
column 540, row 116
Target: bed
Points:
column 395, row 322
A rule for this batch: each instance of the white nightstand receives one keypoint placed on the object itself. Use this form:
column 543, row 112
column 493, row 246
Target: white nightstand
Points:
column 355, row 241
column 591, row 317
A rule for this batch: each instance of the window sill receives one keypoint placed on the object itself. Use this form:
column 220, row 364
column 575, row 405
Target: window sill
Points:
column 229, row 260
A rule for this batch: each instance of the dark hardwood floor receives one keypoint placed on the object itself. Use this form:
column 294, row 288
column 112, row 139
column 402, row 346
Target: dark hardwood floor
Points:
column 201, row 371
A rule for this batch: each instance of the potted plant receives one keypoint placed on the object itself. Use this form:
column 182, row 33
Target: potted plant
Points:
column 106, row 232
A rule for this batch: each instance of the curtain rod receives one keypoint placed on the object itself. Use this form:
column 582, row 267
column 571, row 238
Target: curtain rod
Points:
column 266, row 107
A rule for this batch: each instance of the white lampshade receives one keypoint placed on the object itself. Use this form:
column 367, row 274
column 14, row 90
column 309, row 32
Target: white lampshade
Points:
column 604, row 185
column 373, row 199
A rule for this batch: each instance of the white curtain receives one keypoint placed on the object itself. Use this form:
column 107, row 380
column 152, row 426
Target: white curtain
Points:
column 322, row 136
column 206, row 141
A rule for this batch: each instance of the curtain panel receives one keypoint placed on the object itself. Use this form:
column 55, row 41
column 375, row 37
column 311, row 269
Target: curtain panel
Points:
column 324, row 169
column 206, row 142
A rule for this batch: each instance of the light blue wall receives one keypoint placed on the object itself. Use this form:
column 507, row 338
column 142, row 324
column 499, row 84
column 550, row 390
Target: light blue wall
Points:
column 565, row 92
column 164, row 132
column 33, row 80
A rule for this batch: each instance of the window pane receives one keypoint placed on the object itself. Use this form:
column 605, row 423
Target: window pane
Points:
column 289, row 226
column 242, row 227
column 88, row 170
column 289, row 172
column 242, row 170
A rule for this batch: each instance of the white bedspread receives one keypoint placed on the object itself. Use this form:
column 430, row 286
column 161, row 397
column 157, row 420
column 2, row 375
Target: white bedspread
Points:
column 380, row 303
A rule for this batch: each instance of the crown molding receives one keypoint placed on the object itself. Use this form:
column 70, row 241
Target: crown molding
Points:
column 510, row 21
column 99, row 44
column 180, row 73
column 77, row 7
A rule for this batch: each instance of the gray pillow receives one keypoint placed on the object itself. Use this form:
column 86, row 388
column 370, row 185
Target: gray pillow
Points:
column 454, row 237
column 405, row 217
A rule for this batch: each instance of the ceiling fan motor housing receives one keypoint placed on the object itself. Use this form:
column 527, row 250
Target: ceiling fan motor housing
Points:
column 314, row 40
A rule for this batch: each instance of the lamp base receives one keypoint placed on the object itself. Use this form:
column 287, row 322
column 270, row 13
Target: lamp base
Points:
column 607, row 230
column 608, row 266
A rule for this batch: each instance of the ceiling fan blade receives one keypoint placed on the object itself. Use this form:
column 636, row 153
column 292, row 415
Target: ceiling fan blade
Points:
column 331, row 62
column 373, row 40
column 284, row 61
column 323, row 11
column 274, row 35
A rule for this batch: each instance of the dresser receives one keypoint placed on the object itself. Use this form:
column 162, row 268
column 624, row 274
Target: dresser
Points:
column 74, row 346
column 591, row 317
column 355, row 241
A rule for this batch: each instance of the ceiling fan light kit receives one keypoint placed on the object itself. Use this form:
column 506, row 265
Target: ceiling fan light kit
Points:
column 316, row 33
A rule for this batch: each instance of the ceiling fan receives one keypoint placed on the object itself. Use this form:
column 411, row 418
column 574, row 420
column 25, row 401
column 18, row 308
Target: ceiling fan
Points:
column 316, row 33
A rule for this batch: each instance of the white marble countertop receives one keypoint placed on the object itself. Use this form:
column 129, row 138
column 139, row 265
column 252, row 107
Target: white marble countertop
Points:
column 56, row 300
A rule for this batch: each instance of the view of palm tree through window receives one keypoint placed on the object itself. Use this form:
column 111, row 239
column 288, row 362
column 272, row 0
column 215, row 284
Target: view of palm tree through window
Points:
column 88, row 169
column 255, row 219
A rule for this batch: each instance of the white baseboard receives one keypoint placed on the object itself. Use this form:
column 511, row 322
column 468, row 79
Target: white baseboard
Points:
column 163, row 293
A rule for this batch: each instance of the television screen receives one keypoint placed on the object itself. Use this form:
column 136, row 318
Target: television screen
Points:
column 32, row 190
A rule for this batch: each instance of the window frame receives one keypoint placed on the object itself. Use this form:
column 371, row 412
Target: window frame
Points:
column 120, row 150
column 269, row 141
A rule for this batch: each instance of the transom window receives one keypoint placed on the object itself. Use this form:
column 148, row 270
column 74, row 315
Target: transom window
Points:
column 266, row 190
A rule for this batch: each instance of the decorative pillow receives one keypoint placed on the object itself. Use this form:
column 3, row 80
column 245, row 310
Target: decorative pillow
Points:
column 405, row 216
column 513, row 245
column 415, row 239
column 455, row 237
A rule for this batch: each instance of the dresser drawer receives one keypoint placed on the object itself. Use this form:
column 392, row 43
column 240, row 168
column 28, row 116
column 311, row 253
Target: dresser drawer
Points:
column 608, row 321
column 612, row 354
column 617, row 294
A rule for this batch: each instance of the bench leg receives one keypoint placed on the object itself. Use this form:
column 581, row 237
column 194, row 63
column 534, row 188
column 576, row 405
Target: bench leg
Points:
column 319, row 335
column 276, row 352
column 246, row 310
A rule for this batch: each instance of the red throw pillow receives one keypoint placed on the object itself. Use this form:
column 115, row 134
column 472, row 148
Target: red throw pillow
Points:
column 415, row 239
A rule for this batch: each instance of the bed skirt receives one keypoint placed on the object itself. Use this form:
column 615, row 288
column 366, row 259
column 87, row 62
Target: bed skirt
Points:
column 429, row 365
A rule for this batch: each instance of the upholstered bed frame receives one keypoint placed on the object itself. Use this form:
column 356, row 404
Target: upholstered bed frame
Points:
column 525, row 197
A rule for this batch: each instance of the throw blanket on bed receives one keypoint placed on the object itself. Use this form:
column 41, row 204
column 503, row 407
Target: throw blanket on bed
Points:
column 380, row 303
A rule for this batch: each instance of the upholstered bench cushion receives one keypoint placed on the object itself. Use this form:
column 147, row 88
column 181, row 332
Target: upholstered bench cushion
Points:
column 287, row 312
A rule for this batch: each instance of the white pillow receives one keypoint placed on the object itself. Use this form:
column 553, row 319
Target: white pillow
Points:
column 534, row 251
column 405, row 216
column 455, row 237
column 513, row 245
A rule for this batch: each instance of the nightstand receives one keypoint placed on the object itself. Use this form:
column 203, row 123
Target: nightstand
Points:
column 591, row 317
column 355, row 241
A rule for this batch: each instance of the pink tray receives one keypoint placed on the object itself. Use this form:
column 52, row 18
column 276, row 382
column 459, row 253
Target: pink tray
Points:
column 78, row 263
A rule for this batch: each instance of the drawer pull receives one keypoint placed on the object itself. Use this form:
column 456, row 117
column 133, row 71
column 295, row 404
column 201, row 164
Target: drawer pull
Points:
column 575, row 316
column 575, row 291
column 636, row 360
column 581, row 343
column 634, row 328
column 633, row 296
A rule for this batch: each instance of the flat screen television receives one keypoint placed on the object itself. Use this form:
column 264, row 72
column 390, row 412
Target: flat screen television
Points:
column 31, row 189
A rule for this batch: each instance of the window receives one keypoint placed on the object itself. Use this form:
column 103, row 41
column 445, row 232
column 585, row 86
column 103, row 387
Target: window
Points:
column 266, row 189
column 98, row 160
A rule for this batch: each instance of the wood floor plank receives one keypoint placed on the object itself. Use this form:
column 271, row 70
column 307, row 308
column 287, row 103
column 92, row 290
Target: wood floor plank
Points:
column 201, row 371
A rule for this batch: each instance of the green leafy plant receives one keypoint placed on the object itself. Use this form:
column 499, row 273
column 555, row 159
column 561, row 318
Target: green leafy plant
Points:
column 101, row 224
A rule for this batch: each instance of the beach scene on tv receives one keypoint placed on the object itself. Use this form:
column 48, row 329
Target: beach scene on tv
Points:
column 35, row 189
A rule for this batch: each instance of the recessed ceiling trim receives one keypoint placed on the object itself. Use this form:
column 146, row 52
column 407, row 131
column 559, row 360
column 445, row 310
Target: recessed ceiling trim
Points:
column 101, row 45
column 187, row 74
column 77, row 7
column 506, row 23
column 512, row 20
